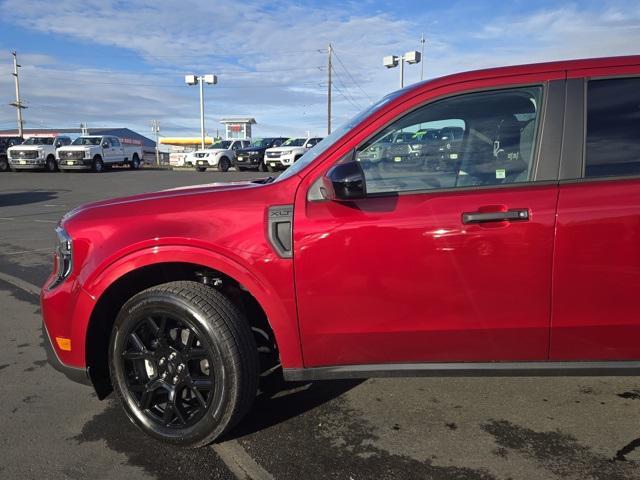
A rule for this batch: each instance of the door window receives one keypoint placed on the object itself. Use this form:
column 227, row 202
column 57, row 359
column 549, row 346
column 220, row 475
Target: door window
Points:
column 115, row 142
column 613, row 128
column 475, row 139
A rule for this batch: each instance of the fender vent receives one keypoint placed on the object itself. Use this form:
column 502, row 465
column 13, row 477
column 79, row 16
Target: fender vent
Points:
column 280, row 229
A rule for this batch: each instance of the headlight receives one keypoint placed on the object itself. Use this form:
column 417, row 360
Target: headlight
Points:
column 253, row 152
column 63, row 257
column 286, row 152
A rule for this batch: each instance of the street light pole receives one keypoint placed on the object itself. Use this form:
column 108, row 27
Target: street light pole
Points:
column 392, row 61
column 202, row 112
column 201, row 80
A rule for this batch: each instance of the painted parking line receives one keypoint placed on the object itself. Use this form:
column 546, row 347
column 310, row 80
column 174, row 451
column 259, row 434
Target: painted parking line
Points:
column 24, row 252
column 46, row 221
column 235, row 457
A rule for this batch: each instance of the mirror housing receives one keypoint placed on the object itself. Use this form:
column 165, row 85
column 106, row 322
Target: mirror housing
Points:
column 105, row 145
column 345, row 182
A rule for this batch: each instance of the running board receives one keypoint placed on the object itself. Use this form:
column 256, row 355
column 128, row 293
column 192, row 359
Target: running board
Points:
column 490, row 369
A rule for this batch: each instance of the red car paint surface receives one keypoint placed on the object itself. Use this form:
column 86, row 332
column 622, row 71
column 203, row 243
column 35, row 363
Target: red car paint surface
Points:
column 397, row 278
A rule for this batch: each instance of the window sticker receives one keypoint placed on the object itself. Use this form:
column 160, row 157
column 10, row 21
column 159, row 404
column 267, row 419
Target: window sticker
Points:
column 501, row 173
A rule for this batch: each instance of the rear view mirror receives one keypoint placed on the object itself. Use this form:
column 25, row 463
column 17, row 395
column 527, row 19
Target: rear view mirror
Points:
column 345, row 182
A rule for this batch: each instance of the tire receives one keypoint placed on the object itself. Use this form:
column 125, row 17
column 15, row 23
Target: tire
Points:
column 263, row 167
column 270, row 168
column 201, row 169
column 134, row 164
column 98, row 164
column 4, row 165
column 224, row 164
column 51, row 164
column 222, row 338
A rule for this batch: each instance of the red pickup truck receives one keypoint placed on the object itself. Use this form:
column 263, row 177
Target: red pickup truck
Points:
column 510, row 248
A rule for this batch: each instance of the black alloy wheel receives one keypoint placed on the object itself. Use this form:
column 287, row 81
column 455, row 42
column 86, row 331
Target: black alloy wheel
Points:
column 183, row 362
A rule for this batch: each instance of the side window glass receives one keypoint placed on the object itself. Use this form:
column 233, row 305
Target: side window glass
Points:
column 474, row 139
column 115, row 142
column 613, row 128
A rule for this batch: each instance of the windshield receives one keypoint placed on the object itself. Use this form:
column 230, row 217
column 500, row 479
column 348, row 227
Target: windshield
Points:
column 260, row 142
column 294, row 142
column 86, row 141
column 39, row 141
column 336, row 135
column 224, row 144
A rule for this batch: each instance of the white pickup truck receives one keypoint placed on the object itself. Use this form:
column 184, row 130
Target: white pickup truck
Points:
column 36, row 153
column 279, row 158
column 96, row 152
column 220, row 155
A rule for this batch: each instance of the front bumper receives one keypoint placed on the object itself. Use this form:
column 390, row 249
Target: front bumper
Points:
column 78, row 375
column 27, row 164
column 248, row 161
column 82, row 164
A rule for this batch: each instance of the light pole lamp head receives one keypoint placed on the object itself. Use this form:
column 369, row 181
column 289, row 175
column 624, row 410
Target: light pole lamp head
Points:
column 210, row 79
column 413, row 57
column 390, row 61
column 190, row 79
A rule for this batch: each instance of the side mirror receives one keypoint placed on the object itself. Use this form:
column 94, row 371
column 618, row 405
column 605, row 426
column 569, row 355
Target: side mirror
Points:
column 345, row 182
column 105, row 145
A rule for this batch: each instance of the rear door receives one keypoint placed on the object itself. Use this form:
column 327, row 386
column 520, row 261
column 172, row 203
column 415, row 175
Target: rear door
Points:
column 597, row 255
column 449, row 257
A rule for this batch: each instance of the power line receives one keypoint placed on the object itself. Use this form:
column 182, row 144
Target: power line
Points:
column 353, row 79
column 346, row 90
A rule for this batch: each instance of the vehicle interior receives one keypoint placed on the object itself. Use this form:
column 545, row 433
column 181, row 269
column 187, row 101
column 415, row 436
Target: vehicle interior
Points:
column 476, row 139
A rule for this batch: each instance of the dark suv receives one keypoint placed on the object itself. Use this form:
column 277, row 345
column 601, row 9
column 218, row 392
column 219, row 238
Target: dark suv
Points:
column 253, row 156
column 5, row 143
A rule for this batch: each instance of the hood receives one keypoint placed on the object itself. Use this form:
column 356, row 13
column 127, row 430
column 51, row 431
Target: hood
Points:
column 76, row 148
column 211, row 151
column 251, row 149
column 178, row 192
column 285, row 149
column 27, row 147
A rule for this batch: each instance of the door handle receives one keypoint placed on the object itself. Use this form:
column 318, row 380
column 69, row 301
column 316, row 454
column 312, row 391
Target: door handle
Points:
column 484, row 217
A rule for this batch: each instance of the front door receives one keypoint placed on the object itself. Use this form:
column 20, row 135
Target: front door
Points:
column 449, row 257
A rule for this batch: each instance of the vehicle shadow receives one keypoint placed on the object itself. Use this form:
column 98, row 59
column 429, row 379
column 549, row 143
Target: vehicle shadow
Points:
column 24, row 198
column 285, row 400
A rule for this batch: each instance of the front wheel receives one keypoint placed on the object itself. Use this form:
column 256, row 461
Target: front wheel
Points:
column 134, row 164
column 98, row 165
column 51, row 165
column 183, row 362
column 4, row 165
column 263, row 167
column 224, row 164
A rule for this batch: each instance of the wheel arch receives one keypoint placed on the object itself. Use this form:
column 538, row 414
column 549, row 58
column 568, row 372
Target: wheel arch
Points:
column 142, row 270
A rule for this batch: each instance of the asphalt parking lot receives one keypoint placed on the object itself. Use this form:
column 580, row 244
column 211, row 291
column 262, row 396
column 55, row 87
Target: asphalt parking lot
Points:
column 497, row 428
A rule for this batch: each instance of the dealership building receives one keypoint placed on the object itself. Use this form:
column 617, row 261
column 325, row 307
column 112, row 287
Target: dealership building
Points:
column 125, row 135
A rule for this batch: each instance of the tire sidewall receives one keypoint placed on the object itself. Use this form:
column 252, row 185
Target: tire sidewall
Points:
column 51, row 165
column 217, row 416
column 98, row 164
column 224, row 164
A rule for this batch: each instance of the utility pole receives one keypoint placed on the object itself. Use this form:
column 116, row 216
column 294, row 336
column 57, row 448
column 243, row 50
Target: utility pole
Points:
column 329, row 68
column 18, row 102
column 155, row 124
column 422, row 42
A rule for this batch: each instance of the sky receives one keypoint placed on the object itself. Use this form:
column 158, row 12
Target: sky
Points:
column 121, row 63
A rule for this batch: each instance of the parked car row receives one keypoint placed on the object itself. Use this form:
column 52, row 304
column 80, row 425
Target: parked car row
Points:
column 264, row 154
column 89, row 152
